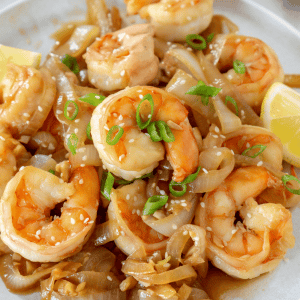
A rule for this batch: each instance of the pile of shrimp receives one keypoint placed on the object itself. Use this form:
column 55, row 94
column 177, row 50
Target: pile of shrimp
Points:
column 86, row 145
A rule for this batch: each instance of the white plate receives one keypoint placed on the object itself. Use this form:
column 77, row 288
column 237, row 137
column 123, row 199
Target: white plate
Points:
column 28, row 25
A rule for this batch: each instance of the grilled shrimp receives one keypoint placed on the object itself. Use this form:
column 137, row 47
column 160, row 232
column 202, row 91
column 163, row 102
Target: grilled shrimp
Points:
column 136, row 154
column 26, row 98
column 122, row 58
column 133, row 6
column 27, row 226
column 245, row 239
column 261, row 62
column 126, row 208
column 173, row 20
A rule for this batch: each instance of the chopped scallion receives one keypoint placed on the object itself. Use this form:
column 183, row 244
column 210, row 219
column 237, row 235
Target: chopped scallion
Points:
column 88, row 131
column 107, row 183
column 196, row 41
column 110, row 140
column 92, row 98
column 71, row 63
column 66, row 114
column 231, row 100
column 72, row 143
column 261, row 147
column 154, row 203
column 154, row 132
column 210, row 37
column 51, row 171
column 285, row 179
column 143, row 125
column 165, row 132
column 239, row 67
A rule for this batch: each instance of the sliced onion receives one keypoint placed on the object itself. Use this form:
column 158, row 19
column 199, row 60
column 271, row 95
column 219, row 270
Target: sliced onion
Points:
column 292, row 80
column 106, row 232
column 229, row 121
column 4, row 249
column 43, row 162
column 15, row 281
column 44, row 142
column 133, row 267
column 177, row 243
column 179, row 85
column 87, row 155
column 176, row 219
column 218, row 162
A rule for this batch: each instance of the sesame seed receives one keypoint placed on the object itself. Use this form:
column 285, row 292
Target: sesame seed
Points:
column 234, row 231
column 122, row 73
column 232, row 151
column 204, row 170
column 72, row 221
column 26, row 115
column 76, row 130
column 81, row 217
column 73, row 233
column 202, row 204
column 215, row 136
column 219, row 153
column 40, row 108
column 109, row 278
column 59, row 112
column 174, row 226
column 248, row 145
column 122, row 124
column 82, row 165
column 208, row 229
column 20, row 168
column 133, row 211
column 53, row 238
column 58, row 243
column 141, row 96
column 38, row 232
column 121, row 157
column 217, row 129
column 120, row 117
column 86, row 220
column 222, row 136
column 167, row 204
column 127, row 197
column 93, row 81
column 196, row 238
column 138, row 212
column 123, row 233
column 131, row 140
column 260, row 163
column 248, row 215
column 185, row 232
column 183, row 204
column 81, row 181
column 2, row 138
column 162, row 192
column 77, row 120
column 106, row 127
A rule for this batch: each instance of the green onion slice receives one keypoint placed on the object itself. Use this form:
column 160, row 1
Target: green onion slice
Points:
column 143, row 125
column 210, row 37
column 88, row 131
column 205, row 100
column 153, row 131
column 154, row 203
column 72, row 143
column 107, row 183
column 92, row 98
column 239, row 67
column 51, row 171
column 261, row 147
column 196, row 41
column 182, row 184
column 231, row 100
column 201, row 89
column 109, row 138
column 285, row 179
column 71, row 63
column 66, row 110
column 165, row 132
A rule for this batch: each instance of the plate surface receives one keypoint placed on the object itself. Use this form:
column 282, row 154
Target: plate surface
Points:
column 28, row 25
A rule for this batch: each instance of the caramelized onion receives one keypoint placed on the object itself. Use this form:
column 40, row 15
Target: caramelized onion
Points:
column 106, row 232
column 43, row 162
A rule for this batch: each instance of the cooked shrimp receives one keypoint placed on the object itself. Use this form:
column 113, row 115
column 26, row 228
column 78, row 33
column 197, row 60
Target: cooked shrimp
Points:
column 255, row 244
column 173, row 20
column 262, row 66
column 122, row 58
column 26, row 98
column 26, row 224
column 126, row 207
column 133, row 6
column 136, row 154
column 11, row 151
column 248, row 136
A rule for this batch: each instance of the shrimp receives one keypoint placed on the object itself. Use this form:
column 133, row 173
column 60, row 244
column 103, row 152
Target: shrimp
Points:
column 244, row 238
column 173, row 20
column 26, row 98
column 122, row 58
column 133, row 6
column 136, row 154
column 26, row 224
column 126, row 207
column 248, row 136
column 263, row 67
column 11, row 151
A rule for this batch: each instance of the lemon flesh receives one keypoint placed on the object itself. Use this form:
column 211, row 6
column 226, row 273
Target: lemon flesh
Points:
column 17, row 56
column 280, row 113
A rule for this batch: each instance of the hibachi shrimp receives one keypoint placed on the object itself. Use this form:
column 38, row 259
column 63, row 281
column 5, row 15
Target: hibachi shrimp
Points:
column 126, row 208
column 26, row 98
column 26, row 224
column 136, row 154
column 245, row 239
column 133, row 6
column 173, row 20
column 262, row 66
column 122, row 58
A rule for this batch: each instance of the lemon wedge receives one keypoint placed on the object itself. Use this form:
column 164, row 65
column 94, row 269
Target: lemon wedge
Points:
column 17, row 56
column 280, row 113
